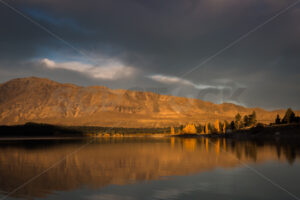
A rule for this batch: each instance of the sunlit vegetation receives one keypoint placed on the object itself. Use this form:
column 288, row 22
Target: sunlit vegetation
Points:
column 190, row 129
column 172, row 130
column 219, row 127
column 237, row 125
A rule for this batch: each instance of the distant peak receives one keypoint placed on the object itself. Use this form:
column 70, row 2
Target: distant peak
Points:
column 31, row 78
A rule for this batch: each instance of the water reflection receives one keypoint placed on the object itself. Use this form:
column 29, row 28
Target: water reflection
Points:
column 125, row 160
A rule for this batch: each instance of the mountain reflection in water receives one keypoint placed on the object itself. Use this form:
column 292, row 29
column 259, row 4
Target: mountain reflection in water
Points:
column 124, row 160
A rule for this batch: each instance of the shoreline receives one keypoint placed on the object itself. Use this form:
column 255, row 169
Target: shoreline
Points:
column 263, row 132
column 52, row 132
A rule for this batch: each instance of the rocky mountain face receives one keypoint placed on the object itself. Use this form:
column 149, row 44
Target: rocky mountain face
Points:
column 45, row 101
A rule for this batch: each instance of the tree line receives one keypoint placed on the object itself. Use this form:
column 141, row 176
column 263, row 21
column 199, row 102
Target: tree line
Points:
column 217, row 127
column 239, row 122
column 289, row 118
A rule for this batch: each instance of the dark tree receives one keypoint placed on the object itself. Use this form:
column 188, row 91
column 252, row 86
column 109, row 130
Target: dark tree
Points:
column 232, row 125
column 199, row 128
column 237, row 120
column 289, row 116
column 221, row 125
column 210, row 127
column 292, row 118
column 246, row 121
column 252, row 118
column 238, row 117
column 227, row 123
column 277, row 120
column 297, row 119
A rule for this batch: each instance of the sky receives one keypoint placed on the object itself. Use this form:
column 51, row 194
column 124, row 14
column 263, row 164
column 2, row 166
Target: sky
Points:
column 239, row 51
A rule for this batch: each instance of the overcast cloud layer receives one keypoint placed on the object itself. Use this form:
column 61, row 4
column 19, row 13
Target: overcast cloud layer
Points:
column 151, row 45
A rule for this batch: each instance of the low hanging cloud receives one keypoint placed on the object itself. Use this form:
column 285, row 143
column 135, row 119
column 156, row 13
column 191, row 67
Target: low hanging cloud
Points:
column 180, row 81
column 112, row 70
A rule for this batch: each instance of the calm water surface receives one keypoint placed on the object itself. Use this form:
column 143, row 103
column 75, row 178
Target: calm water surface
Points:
column 149, row 168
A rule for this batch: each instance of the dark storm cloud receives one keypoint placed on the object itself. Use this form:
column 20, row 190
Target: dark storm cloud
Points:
column 165, row 38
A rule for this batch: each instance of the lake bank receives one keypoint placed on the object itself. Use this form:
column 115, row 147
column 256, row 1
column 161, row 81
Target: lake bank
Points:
column 270, row 131
column 35, row 130
column 288, row 134
column 42, row 131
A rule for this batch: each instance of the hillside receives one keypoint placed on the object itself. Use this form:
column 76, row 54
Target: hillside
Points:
column 44, row 101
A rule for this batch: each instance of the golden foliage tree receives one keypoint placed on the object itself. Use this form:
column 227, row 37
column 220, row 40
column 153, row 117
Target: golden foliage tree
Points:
column 172, row 130
column 206, row 128
column 202, row 132
column 190, row 128
column 217, row 126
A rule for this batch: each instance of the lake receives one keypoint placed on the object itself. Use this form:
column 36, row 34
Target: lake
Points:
column 149, row 168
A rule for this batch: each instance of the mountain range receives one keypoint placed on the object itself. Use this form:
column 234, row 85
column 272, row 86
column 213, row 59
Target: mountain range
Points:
column 42, row 100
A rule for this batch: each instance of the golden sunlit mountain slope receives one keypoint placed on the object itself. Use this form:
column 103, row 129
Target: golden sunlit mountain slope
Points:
column 44, row 101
